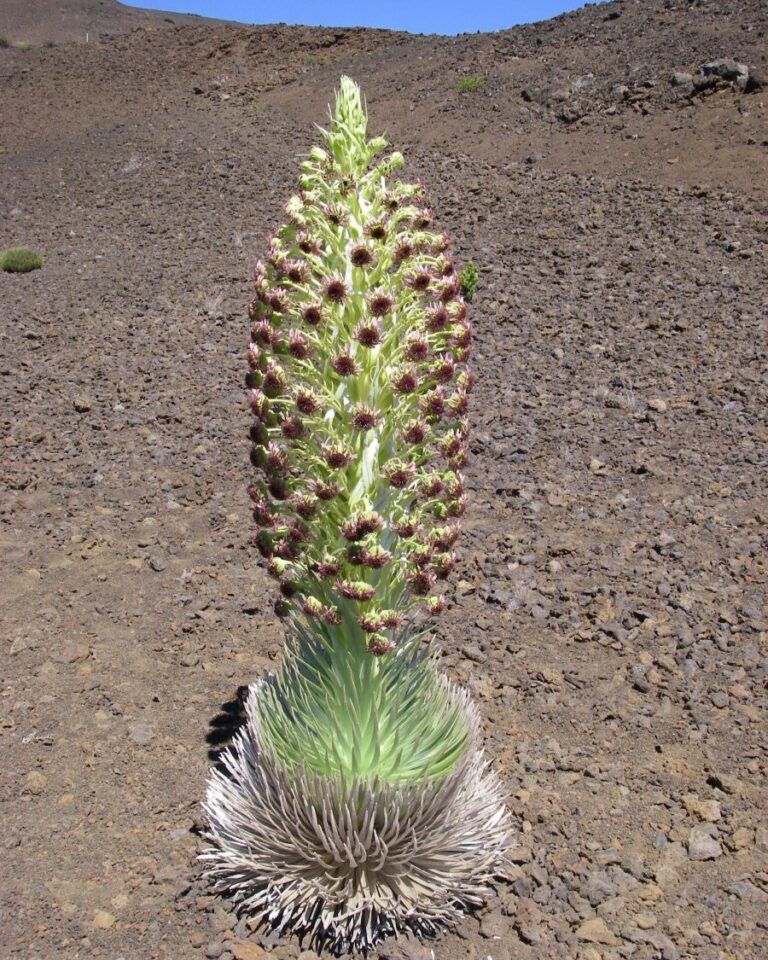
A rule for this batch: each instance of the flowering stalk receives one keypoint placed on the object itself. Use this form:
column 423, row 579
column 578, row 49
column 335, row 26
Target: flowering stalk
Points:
column 359, row 391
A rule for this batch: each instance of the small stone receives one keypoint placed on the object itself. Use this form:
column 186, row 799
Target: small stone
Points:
column 141, row 734
column 720, row 699
column 215, row 950
column 645, row 920
column 657, row 404
column 157, row 564
column 494, row 926
column 103, row 920
column 190, row 660
column 702, row 843
column 743, row 837
column 222, row 920
column 596, row 931
column 707, row 810
column 472, row 652
column 72, row 653
column 82, row 404
column 247, row 950
column 36, row 781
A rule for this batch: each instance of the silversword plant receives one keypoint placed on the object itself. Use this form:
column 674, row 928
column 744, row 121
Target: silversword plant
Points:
column 356, row 801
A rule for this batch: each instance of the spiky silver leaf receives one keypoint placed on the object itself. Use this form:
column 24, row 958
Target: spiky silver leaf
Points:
column 346, row 862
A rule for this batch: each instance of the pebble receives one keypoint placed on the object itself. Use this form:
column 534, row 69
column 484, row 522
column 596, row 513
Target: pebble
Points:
column 596, row 931
column 703, row 843
column 36, row 782
column 141, row 734
column 494, row 926
column 707, row 810
column 82, row 404
column 103, row 920
column 247, row 950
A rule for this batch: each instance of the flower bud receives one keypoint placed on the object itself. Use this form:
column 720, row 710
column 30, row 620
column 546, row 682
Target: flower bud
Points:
column 355, row 590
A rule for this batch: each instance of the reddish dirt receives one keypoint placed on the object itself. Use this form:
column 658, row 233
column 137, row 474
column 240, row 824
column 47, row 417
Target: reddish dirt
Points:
column 609, row 612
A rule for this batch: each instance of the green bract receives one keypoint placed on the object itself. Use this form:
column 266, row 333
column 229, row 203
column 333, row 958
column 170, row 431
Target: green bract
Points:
column 356, row 802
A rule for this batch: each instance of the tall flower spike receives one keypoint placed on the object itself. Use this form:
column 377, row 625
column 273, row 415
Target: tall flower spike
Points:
column 355, row 802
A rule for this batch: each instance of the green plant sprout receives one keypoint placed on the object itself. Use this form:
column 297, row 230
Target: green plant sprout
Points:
column 470, row 84
column 20, row 260
column 468, row 281
column 356, row 801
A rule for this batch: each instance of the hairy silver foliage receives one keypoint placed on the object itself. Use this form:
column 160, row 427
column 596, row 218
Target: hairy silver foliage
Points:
column 347, row 862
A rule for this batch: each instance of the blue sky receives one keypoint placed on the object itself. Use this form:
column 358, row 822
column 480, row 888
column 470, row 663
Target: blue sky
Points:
column 415, row 16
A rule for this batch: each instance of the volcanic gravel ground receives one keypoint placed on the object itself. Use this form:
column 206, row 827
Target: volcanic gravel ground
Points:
column 609, row 610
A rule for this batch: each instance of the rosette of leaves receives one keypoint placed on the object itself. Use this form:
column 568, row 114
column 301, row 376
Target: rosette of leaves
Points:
column 356, row 802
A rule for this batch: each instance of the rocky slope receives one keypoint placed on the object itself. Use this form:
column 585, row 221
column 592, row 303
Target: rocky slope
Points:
column 609, row 612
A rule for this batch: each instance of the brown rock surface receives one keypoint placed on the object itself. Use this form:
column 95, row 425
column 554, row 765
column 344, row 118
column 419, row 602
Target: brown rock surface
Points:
column 615, row 616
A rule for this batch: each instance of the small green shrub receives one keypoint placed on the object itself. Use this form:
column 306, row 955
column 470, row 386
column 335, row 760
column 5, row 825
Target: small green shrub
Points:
column 468, row 281
column 20, row 260
column 470, row 84
column 23, row 45
column 5, row 42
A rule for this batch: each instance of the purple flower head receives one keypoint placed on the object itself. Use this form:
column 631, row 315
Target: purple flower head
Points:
column 307, row 243
column 403, row 251
column 327, row 567
column 370, row 622
column 444, row 563
column 398, row 473
column 344, row 364
column 304, row 505
column 440, row 244
column 433, row 403
column 419, row 280
column 373, row 557
column 291, row 428
column 422, row 219
column 404, row 380
column 376, row 230
column 278, row 300
column 437, row 318
column 379, row 645
column 274, row 380
column 306, row 402
column 337, row 456
column 355, row 590
column 436, row 605
column 443, row 369
column 415, row 431
column 368, row 333
column 325, row 491
column 294, row 270
column 257, row 402
column 379, row 304
column 312, row 314
column 276, row 460
column 298, row 345
column 335, row 214
column 254, row 354
column 416, row 348
column 405, row 528
column 360, row 525
column 332, row 616
column 391, row 619
column 335, row 289
column 361, row 255
column 458, row 402
column 421, row 580
column 430, row 485
column 312, row 607
column 449, row 289
column 364, row 417
column 263, row 333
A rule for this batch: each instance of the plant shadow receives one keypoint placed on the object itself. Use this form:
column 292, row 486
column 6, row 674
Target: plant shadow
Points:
column 225, row 725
